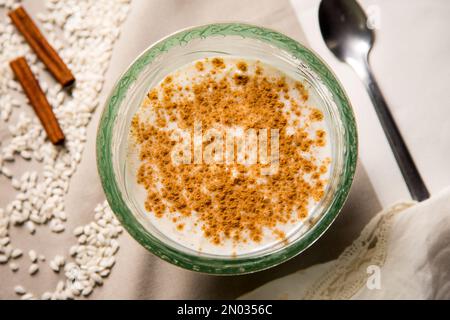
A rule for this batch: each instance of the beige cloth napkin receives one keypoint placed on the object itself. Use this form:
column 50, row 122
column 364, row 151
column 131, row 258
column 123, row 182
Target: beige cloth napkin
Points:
column 138, row 273
column 403, row 253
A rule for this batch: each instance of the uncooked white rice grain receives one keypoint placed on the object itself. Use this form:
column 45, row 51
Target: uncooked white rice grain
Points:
column 16, row 253
column 27, row 296
column 3, row 259
column 30, row 226
column 46, row 296
column 15, row 183
column 32, row 255
column 20, row 290
column 87, row 291
column 14, row 267
column 54, row 266
column 6, row 172
column 33, row 269
column 4, row 241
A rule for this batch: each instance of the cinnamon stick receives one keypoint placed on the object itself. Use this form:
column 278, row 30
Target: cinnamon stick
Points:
column 37, row 99
column 41, row 47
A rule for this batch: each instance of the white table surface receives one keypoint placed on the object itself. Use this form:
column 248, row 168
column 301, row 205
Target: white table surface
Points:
column 410, row 62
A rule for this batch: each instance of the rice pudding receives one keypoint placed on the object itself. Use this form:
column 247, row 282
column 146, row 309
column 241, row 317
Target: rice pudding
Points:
column 229, row 155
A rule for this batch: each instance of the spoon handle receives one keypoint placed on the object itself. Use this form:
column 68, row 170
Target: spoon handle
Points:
column 412, row 177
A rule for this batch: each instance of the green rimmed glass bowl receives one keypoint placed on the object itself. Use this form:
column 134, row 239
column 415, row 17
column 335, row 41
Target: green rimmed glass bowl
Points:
column 185, row 46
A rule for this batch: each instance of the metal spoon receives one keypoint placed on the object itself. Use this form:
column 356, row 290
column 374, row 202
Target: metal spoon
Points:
column 343, row 24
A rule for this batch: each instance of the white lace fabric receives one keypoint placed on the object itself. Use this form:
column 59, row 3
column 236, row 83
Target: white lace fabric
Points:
column 408, row 243
column 349, row 273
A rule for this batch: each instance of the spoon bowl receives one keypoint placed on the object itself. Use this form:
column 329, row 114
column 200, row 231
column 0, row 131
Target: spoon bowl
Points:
column 343, row 25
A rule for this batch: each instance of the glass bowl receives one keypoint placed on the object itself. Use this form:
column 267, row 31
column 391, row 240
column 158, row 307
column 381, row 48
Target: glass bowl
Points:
column 223, row 39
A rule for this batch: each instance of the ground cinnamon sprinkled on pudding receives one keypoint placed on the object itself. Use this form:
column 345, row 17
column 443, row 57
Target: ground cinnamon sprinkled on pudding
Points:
column 242, row 65
column 316, row 115
column 240, row 79
column 302, row 90
column 230, row 201
column 199, row 65
column 218, row 63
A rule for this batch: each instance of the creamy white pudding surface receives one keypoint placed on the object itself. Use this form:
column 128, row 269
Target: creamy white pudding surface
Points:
column 229, row 156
